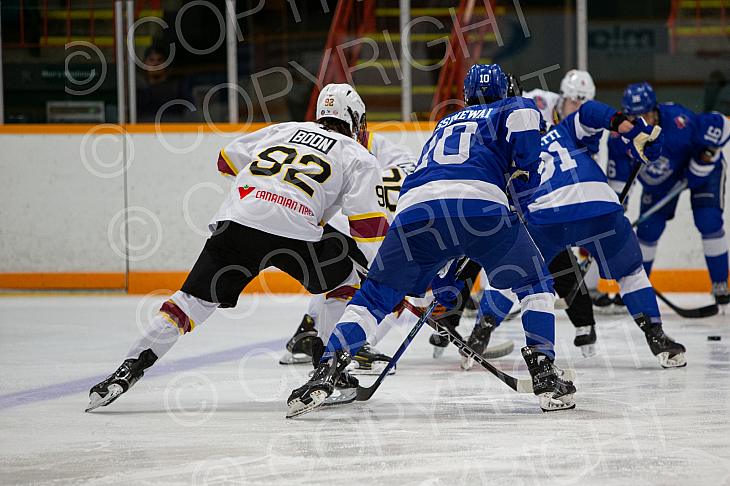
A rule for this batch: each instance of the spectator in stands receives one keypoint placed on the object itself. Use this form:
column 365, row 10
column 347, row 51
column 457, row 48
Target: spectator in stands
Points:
column 155, row 87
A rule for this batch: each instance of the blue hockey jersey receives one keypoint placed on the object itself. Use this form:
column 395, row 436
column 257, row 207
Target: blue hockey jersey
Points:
column 572, row 185
column 469, row 156
column 686, row 135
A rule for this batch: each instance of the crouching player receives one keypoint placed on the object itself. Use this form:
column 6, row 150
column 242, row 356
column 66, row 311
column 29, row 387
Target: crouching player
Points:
column 317, row 324
column 289, row 178
column 575, row 206
column 454, row 205
column 693, row 146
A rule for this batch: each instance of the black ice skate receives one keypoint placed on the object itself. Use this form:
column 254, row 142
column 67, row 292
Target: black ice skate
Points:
column 721, row 294
column 299, row 347
column 121, row 380
column 478, row 340
column 368, row 361
column 554, row 392
column 321, row 385
column 669, row 352
column 585, row 339
column 606, row 304
column 451, row 321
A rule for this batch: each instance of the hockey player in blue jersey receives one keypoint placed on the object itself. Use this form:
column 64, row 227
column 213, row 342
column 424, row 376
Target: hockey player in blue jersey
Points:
column 575, row 206
column 693, row 152
column 454, row 204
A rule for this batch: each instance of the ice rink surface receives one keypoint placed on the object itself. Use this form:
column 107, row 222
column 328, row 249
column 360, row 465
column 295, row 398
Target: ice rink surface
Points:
column 212, row 410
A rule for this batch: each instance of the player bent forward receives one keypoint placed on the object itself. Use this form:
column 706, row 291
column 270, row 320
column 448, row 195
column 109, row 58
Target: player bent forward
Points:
column 454, row 205
column 289, row 177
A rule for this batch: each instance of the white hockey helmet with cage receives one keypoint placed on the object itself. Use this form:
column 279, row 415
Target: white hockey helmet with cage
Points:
column 342, row 102
column 578, row 85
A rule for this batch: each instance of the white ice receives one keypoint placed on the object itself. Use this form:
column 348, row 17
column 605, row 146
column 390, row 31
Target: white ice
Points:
column 213, row 412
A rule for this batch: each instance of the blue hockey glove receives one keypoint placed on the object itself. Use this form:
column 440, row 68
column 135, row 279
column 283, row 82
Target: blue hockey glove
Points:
column 446, row 287
column 642, row 135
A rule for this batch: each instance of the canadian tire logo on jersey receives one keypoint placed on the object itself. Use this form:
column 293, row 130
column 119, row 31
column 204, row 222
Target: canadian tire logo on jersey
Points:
column 245, row 190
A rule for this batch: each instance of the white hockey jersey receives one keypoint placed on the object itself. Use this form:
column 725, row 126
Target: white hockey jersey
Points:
column 292, row 177
column 547, row 103
column 395, row 164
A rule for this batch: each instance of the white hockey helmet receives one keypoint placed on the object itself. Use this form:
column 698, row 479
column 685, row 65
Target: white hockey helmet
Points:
column 578, row 85
column 342, row 102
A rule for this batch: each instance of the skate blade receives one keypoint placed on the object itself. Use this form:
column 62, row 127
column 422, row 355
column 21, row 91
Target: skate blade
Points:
column 376, row 368
column 438, row 352
column 550, row 404
column 295, row 358
column 96, row 400
column 467, row 363
column 341, row 396
column 298, row 407
column 588, row 351
column 676, row 361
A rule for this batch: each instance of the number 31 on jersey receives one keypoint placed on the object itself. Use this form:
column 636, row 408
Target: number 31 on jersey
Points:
column 547, row 166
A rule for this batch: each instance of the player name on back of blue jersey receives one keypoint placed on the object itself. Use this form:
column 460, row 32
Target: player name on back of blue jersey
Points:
column 464, row 115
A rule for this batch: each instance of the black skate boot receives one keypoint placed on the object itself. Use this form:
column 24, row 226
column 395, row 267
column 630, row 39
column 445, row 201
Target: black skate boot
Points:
column 721, row 294
column 299, row 347
column 585, row 339
column 320, row 386
column 451, row 321
column 607, row 304
column 669, row 352
column 478, row 340
column 368, row 361
column 618, row 304
column 120, row 381
column 554, row 392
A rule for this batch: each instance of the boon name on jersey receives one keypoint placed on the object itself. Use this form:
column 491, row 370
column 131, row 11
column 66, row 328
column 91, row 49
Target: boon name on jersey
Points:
column 317, row 141
column 464, row 115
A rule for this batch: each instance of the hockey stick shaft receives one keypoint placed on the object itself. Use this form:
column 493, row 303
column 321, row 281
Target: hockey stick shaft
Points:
column 364, row 393
column 700, row 312
column 671, row 195
column 512, row 382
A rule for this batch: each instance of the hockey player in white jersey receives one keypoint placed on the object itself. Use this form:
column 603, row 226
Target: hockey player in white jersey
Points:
column 288, row 178
column 576, row 87
column 316, row 325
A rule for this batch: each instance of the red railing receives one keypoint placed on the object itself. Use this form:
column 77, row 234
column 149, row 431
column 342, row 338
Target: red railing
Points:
column 65, row 15
column 334, row 64
column 676, row 13
column 451, row 76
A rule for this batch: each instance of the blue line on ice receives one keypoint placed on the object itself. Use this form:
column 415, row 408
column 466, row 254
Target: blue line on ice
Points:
column 58, row 390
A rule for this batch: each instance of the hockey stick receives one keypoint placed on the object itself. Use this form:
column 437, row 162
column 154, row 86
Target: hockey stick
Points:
column 520, row 385
column 700, row 312
column 364, row 393
column 673, row 193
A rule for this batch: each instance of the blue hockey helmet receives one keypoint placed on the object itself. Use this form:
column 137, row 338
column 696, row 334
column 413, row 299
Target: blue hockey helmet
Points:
column 638, row 98
column 484, row 83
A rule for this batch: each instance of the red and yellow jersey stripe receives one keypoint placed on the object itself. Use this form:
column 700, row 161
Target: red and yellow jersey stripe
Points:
column 225, row 166
column 368, row 227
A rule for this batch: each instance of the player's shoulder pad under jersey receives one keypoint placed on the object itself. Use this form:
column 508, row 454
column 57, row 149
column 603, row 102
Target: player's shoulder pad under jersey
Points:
column 674, row 116
column 713, row 129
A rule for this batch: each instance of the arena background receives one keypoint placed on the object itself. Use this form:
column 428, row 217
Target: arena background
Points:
column 109, row 163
